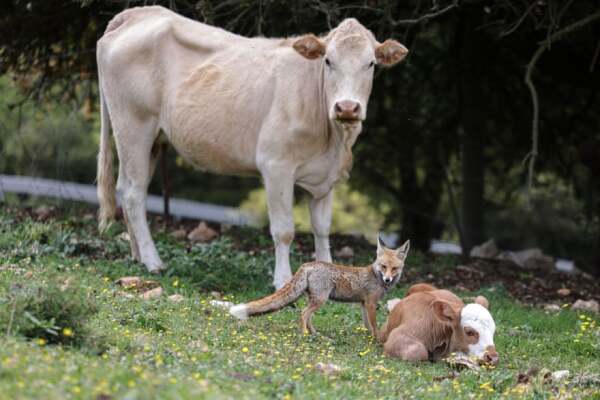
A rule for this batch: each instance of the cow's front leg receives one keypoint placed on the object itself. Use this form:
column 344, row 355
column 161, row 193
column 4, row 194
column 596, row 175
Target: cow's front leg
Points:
column 320, row 218
column 279, row 184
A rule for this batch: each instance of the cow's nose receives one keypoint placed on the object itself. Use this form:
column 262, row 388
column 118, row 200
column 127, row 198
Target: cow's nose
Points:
column 491, row 356
column 347, row 110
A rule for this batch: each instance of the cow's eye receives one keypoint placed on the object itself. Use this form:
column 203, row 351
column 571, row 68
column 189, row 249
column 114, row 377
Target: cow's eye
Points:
column 328, row 62
column 371, row 64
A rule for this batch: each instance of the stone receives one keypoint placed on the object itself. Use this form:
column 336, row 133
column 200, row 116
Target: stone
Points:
column 176, row 298
column 485, row 250
column 152, row 293
column 202, row 233
column 129, row 281
column 42, row 212
column 179, row 234
column 552, row 307
column 582, row 305
column 561, row 375
column 345, row 253
column 328, row 368
column 564, row 292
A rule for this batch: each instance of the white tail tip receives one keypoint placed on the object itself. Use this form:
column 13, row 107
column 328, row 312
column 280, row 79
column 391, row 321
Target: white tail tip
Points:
column 225, row 305
column 239, row 311
column 392, row 303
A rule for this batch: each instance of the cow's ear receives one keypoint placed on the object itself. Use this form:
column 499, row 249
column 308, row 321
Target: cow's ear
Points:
column 482, row 301
column 444, row 312
column 310, row 46
column 390, row 52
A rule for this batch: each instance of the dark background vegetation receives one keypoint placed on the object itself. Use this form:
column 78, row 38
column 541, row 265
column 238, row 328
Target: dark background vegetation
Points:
column 448, row 140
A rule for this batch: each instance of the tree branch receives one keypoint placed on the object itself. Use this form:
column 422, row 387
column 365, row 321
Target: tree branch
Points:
column 425, row 17
column 530, row 158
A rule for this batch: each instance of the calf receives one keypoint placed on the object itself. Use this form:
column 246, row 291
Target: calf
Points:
column 429, row 324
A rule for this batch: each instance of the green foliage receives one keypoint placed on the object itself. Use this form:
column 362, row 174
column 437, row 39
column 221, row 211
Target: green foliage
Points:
column 126, row 347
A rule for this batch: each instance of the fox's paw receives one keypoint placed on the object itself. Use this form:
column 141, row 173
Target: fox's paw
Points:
column 239, row 311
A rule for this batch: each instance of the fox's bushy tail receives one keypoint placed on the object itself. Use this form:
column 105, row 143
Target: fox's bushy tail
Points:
column 288, row 294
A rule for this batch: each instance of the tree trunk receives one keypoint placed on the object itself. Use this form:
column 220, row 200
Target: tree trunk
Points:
column 473, row 120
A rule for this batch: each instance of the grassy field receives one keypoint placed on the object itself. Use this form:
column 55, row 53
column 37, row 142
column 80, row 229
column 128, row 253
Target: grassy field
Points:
column 68, row 331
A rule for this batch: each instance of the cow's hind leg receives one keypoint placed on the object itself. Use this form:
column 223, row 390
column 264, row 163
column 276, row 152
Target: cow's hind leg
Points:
column 135, row 141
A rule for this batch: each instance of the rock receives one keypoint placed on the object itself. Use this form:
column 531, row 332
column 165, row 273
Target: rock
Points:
column 124, row 236
column 202, row 233
column 176, row 298
column 129, row 281
column 42, row 212
column 179, row 234
column 590, row 305
column 122, row 293
column 532, row 258
column 561, row 375
column 345, row 253
column 485, row 250
column 152, row 293
column 564, row 292
column 551, row 307
column 567, row 266
column 216, row 295
column 225, row 305
column 328, row 368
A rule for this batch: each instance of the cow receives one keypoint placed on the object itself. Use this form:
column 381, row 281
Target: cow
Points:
column 431, row 323
column 288, row 110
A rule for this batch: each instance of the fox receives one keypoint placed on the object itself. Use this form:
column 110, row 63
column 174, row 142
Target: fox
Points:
column 324, row 281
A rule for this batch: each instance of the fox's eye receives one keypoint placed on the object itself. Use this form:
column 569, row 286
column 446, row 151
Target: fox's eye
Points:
column 383, row 266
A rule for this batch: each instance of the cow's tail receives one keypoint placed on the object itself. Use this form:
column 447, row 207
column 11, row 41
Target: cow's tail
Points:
column 288, row 294
column 105, row 176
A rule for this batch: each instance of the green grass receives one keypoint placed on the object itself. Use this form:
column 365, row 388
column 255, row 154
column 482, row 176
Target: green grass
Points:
column 62, row 273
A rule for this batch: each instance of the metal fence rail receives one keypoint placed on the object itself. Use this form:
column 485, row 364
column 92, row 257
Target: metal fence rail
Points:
column 180, row 208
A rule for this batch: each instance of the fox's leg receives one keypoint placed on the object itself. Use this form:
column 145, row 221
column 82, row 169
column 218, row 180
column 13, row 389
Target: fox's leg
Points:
column 320, row 218
column 365, row 317
column 405, row 346
column 315, row 302
column 371, row 309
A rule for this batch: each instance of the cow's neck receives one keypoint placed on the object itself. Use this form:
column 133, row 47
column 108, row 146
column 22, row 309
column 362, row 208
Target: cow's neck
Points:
column 342, row 138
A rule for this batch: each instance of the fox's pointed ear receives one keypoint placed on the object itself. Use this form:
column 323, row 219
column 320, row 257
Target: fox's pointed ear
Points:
column 403, row 250
column 444, row 313
column 380, row 246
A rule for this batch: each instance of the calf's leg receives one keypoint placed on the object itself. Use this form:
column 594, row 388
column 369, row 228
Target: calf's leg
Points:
column 402, row 345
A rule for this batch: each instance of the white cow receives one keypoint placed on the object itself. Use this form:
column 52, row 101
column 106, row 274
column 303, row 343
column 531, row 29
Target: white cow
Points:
column 287, row 109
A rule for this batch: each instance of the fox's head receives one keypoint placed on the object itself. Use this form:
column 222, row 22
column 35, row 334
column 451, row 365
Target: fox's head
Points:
column 390, row 262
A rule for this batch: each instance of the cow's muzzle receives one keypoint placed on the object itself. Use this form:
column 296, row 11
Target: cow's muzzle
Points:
column 490, row 356
column 347, row 111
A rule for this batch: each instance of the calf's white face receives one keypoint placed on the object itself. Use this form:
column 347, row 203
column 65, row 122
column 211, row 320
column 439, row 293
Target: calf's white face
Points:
column 479, row 328
column 348, row 55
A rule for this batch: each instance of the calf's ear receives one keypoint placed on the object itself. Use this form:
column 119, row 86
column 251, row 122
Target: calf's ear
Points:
column 482, row 301
column 390, row 52
column 444, row 312
column 310, row 46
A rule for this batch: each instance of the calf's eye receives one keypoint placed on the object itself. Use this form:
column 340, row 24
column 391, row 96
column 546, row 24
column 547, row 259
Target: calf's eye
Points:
column 371, row 64
column 328, row 62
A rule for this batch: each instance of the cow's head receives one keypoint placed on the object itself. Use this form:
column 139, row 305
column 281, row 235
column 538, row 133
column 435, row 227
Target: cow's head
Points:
column 349, row 54
column 473, row 328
